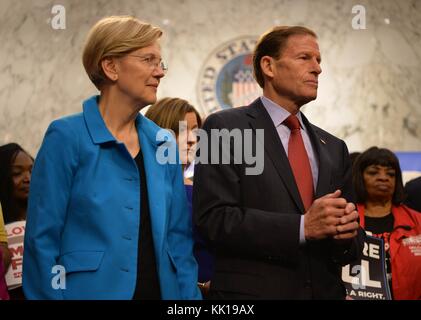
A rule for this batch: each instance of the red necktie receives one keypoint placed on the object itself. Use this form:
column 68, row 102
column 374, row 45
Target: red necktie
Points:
column 298, row 159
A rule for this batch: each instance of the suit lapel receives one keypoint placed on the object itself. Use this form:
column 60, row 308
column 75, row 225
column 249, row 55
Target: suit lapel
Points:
column 320, row 148
column 260, row 119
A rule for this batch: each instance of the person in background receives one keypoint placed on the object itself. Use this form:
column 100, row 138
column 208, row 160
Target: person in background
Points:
column 413, row 194
column 15, row 177
column 4, row 248
column 183, row 120
column 100, row 204
column 378, row 184
column 353, row 156
column 4, row 259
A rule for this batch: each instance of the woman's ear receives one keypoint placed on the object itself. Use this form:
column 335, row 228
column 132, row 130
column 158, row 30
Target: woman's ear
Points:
column 109, row 68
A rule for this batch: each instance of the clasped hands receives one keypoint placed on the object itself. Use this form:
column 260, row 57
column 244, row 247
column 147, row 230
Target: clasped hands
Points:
column 331, row 216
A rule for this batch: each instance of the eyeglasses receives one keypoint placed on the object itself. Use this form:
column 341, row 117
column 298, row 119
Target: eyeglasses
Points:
column 152, row 61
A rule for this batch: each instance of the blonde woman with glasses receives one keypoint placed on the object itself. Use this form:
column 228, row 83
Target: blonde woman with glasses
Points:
column 101, row 207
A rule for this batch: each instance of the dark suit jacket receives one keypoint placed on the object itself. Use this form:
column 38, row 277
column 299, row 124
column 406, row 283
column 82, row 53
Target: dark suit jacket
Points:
column 413, row 191
column 252, row 221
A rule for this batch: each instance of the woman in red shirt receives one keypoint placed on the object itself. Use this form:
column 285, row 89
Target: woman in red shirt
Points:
column 380, row 193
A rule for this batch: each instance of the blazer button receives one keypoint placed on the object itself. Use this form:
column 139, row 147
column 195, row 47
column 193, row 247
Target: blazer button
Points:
column 124, row 269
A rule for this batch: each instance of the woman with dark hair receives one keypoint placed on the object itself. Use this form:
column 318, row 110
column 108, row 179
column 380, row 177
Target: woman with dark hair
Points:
column 15, row 176
column 380, row 193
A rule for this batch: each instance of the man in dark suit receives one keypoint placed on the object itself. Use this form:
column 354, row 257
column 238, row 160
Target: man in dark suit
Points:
column 413, row 192
column 285, row 232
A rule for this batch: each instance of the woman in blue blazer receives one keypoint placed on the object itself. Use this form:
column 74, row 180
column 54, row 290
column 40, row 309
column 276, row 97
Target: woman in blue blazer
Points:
column 105, row 219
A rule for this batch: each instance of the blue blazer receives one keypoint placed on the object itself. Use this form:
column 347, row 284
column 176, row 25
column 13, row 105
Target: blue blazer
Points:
column 83, row 214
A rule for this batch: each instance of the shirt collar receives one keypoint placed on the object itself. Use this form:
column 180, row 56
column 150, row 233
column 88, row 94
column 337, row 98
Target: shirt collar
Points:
column 99, row 131
column 96, row 125
column 277, row 113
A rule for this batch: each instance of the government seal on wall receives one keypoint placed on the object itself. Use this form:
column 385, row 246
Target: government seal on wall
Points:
column 226, row 78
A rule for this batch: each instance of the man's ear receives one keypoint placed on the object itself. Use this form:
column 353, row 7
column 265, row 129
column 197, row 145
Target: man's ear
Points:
column 267, row 66
column 109, row 68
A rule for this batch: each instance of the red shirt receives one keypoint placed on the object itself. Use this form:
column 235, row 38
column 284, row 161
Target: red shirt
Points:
column 405, row 252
